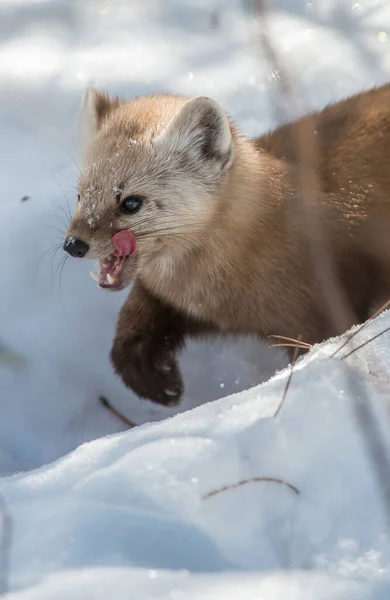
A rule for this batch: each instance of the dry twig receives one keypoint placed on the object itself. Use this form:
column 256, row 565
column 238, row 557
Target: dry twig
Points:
column 286, row 345
column 335, row 302
column 365, row 343
column 294, row 343
column 304, row 141
column 107, row 404
column 11, row 359
column 288, row 382
column 352, row 335
column 232, row 486
column 5, row 545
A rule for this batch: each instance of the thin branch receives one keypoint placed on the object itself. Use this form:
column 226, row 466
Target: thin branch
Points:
column 286, row 345
column 107, row 404
column 11, row 359
column 362, row 326
column 304, row 140
column 288, row 382
column 289, row 339
column 339, row 310
column 372, row 437
column 232, row 486
column 5, row 545
column 365, row 343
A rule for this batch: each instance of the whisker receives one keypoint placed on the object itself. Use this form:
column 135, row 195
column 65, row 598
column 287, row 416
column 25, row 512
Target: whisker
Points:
column 178, row 236
column 73, row 181
column 69, row 214
column 72, row 158
column 53, row 256
column 62, row 260
column 68, row 217
column 59, row 218
column 60, row 277
column 166, row 230
column 69, row 210
column 169, row 220
column 60, row 231
column 59, row 221
column 51, row 250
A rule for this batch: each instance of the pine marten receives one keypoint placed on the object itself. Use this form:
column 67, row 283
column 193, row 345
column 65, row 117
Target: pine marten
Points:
column 206, row 223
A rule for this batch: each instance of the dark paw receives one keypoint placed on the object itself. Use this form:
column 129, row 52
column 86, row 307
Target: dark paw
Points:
column 150, row 370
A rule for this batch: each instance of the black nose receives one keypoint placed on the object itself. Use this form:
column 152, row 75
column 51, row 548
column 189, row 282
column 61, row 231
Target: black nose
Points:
column 76, row 248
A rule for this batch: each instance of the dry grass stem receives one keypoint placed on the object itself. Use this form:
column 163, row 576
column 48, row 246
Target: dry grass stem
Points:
column 303, row 138
column 288, row 382
column 286, row 345
column 107, row 404
column 365, row 343
column 352, row 335
column 232, row 486
column 301, row 343
column 5, row 545
column 310, row 199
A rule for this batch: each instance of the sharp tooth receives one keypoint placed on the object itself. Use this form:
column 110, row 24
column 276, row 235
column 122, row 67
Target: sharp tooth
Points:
column 94, row 276
column 110, row 279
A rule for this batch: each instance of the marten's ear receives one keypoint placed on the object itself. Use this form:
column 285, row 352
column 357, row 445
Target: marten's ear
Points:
column 200, row 130
column 95, row 106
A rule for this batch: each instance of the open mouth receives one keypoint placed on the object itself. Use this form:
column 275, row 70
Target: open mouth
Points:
column 111, row 268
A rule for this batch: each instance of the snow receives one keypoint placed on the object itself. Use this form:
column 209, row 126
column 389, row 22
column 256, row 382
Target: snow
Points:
column 143, row 501
column 98, row 510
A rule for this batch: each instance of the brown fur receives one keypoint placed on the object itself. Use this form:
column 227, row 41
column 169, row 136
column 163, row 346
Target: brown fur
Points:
column 244, row 265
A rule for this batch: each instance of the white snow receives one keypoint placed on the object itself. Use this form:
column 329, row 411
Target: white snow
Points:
column 129, row 514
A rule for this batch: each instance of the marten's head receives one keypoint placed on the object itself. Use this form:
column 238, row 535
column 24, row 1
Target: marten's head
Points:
column 153, row 168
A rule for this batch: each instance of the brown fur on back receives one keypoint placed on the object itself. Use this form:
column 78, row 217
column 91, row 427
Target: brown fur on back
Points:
column 353, row 144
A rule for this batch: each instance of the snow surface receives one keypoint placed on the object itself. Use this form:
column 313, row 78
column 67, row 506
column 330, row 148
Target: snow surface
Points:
column 128, row 515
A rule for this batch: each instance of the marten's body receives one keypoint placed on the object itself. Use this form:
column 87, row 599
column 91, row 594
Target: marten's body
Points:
column 221, row 243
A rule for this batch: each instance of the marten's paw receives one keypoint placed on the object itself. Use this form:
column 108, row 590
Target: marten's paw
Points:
column 149, row 368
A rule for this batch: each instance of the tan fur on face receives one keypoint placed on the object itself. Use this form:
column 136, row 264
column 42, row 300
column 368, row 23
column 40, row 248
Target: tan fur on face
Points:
column 221, row 246
column 146, row 148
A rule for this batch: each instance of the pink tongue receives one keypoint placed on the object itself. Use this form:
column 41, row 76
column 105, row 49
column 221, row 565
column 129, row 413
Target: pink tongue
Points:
column 125, row 243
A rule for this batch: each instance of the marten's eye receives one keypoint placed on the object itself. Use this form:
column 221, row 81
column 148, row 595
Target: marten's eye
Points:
column 78, row 197
column 131, row 204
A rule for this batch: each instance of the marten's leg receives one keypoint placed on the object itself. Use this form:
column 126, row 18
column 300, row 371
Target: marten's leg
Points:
column 148, row 337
